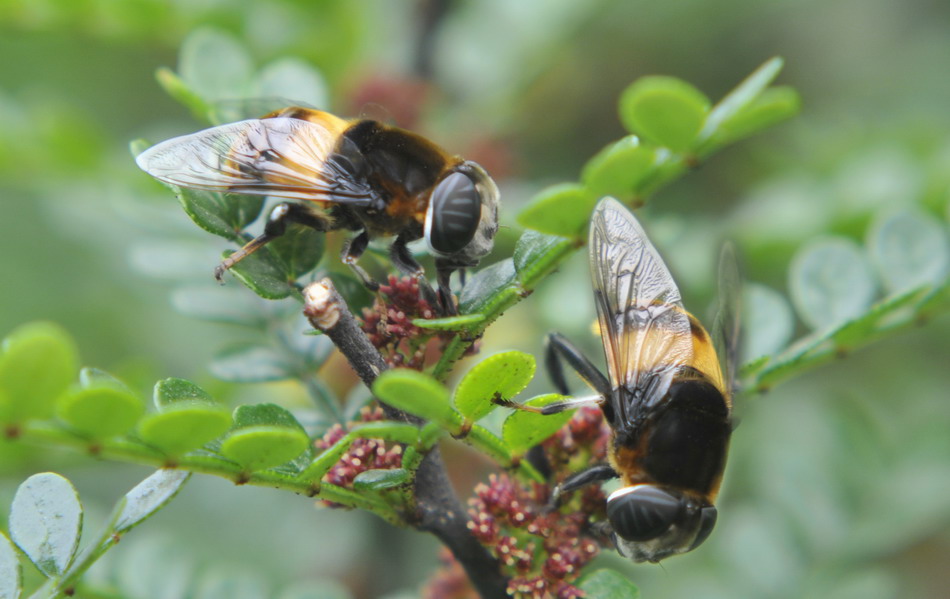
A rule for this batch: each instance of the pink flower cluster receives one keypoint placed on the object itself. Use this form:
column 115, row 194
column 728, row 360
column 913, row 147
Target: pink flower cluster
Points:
column 542, row 549
column 388, row 324
column 363, row 454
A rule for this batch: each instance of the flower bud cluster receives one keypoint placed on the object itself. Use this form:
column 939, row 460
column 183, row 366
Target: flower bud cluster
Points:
column 543, row 548
column 388, row 324
column 363, row 454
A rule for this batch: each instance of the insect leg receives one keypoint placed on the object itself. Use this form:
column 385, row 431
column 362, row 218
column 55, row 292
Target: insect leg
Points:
column 443, row 274
column 594, row 474
column 276, row 225
column 558, row 348
column 404, row 261
column 352, row 250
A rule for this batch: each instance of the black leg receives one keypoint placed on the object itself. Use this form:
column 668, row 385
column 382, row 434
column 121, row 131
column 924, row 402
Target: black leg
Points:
column 403, row 260
column 352, row 251
column 276, row 225
column 443, row 276
column 594, row 474
column 558, row 347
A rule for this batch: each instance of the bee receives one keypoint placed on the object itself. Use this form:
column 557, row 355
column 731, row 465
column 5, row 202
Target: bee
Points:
column 666, row 398
column 358, row 175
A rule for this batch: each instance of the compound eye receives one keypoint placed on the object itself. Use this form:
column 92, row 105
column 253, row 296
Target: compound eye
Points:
column 455, row 209
column 707, row 520
column 643, row 512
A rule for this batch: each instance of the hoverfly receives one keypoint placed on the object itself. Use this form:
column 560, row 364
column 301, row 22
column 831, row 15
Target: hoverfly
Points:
column 666, row 397
column 359, row 175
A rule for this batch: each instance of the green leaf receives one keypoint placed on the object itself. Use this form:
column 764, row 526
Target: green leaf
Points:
column 169, row 392
column 221, row 214
column 618, row 169
column 490, row 288
column 537, row 254
column 260, row 447
column 742, row 96
column 562, row 209
column 264, row 274
column 768, row 321
column 462, row 322
column 251, row 363
column 101, row 407
column 264, row 436
column 182, row 93
column 215, row 65
column 38, row 363
column 830, row 282
column 523, row 430
column 149, row 496
column 608, row 584
column 378, row 479
column 502, row 375
column 909, row 249
column 265, row 414
column 664, row 110
column 10, row 573
column 46, row 521
column 416, row 393
column 300, row 248
column 294, row 79
column 184, row 426
column 775, row 105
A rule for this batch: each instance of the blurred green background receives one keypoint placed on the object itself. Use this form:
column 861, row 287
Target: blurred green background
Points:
column 839, row 481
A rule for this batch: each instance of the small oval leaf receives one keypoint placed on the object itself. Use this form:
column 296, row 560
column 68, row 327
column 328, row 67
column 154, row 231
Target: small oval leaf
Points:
column 149, row 496
column 46, row 522
column 768, row 321
column 909, row 250
column 608, row 584
column 260, row 447
column 38, row 363
column 502, row 375
column 489, row 287
column 264, row 274
column 416, row 393
column 536, row 254
column 619, row 168
column 830, row 281
column 224, row 215
column 266, row 414
column 10, row 572
column 169, row 392
column 775, row 105
column 562, row 209
column 293, row 78
column 664, row 110
column 100, row 411
column 215, row 65
column 184, row 427
column 378, row 479
column 742, row 96
column 300, row 249
column 523, row 430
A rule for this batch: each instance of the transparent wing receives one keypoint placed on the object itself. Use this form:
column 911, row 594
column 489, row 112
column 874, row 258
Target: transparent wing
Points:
column 282, row 157
column 646, row 332
column 725, row 332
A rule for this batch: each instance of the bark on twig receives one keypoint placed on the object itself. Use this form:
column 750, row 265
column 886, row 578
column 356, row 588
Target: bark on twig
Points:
column 438, row 510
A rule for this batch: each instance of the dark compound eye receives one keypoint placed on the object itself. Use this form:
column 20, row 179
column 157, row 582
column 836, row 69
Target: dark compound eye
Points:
column 455, row 209
column 642, row 513
column 707, row 520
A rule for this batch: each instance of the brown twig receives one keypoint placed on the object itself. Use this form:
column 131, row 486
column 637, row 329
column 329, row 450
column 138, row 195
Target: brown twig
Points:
column 438, row 510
